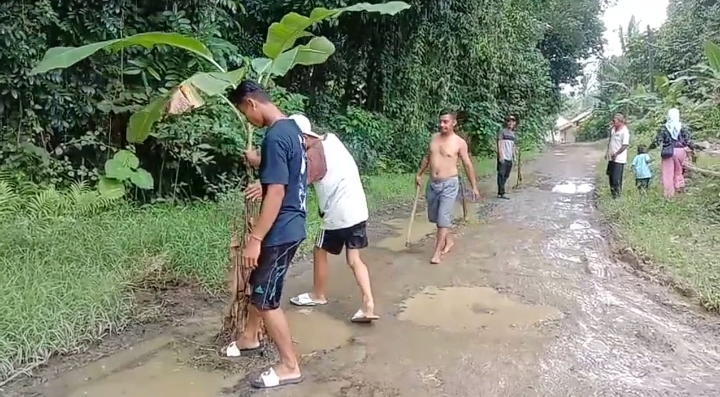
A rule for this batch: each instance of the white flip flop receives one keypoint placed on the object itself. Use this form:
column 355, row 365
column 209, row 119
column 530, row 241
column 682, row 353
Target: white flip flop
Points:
column 270, row 380
column 361, row 317
column 306, row 300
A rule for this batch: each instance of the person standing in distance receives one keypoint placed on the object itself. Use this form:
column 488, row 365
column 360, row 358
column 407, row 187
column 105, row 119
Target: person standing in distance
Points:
column 505, row 154
column 442, row 188
column 618, row 144
column 278, row 231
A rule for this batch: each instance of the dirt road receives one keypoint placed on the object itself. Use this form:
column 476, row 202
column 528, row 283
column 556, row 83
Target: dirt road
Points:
column 528, row 304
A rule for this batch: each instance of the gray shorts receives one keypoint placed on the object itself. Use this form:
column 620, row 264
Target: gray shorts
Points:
column 441, row 195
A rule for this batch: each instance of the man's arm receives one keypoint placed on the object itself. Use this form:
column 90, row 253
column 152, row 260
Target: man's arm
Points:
column 625, row 143
column 500, row 154
column 274, row 175
column 469, row 169
column 425, row 161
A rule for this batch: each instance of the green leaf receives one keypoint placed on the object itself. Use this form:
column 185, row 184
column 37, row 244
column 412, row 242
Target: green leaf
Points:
column 141, row 122
column 127, row 158
column 216, row 83
column 317, row 51
column 712, row 53
column 111, row 188
column 116, row 169
column 261, row 65
column 142, row 179
column 63, row 57
column 282, row 35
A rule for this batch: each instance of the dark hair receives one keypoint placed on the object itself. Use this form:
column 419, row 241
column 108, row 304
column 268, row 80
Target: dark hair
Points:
column 642, row 149
column 449, row 112
column 510, row 117
column 249, row 89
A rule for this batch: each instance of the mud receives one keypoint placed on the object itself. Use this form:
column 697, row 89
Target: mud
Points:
column 529, row 303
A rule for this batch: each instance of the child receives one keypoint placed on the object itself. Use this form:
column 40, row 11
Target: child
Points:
column 641, row 168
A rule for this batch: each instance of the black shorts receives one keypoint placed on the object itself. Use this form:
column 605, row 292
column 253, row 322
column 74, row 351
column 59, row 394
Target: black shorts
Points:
column 268, row 278
column 353, row 237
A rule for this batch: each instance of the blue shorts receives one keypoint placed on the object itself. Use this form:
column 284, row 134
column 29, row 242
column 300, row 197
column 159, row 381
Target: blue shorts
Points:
column 268, row 278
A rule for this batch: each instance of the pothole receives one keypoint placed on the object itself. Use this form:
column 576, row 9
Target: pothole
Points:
column 465, row 309
column 159, row 375
column 316, row 331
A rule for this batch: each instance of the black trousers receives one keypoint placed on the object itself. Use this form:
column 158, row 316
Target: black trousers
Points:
column 615, row 175
column 642, row 183
column 503, row 174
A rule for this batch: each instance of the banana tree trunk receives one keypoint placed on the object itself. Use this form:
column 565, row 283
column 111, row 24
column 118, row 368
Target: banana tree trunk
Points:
column 236, row 312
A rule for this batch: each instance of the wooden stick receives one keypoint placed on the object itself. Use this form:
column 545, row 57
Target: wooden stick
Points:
column 412, row 216
column 710, row 173
column 463, row 196
column 519, row 171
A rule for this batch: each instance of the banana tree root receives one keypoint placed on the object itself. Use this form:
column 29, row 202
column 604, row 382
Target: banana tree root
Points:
column 235, row 315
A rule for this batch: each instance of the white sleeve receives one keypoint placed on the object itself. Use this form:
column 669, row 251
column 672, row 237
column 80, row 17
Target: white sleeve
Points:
column 626, row 137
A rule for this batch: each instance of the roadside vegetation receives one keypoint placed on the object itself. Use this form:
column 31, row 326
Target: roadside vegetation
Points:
column 72, row 257
column 677, row 65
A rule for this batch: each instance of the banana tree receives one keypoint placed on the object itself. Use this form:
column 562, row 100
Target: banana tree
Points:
column 281, row 55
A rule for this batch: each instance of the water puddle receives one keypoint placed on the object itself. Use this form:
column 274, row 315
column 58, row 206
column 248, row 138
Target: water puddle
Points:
column 316, row 331
column 420, row 228
column 162, row 375
column 466, row 309
column 573, row 188
column 161, row 366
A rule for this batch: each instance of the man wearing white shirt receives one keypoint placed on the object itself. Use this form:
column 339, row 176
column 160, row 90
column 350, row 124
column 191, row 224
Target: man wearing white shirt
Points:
column 344, row 211
column 617, row 153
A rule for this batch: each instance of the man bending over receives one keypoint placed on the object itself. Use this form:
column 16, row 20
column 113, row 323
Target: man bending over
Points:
column 343, row 208
column 442, row 189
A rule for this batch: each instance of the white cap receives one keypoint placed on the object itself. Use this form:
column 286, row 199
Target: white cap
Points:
column 304, row 124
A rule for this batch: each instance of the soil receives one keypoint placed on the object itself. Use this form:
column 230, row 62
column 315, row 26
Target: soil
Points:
column 530, row 302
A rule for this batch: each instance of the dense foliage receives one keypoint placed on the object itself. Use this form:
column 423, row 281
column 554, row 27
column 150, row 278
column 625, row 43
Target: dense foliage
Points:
column 661, row 68
column 381, row 91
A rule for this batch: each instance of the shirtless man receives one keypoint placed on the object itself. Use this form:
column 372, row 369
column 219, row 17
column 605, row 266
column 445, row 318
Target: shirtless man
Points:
column 442, row 189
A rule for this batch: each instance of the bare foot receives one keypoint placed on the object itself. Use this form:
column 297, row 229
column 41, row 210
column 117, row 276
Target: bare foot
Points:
column 245, row 343
column 448, row 246
column 284, row 372
column 368, row 309
column 435, row 259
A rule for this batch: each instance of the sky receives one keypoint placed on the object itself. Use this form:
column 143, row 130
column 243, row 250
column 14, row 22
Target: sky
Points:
column 647, row 12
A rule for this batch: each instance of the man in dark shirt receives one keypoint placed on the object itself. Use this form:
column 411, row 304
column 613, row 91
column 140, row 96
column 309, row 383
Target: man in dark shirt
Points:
column 278, row 231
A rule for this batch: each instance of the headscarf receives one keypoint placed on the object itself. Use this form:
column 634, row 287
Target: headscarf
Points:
column 673, row 123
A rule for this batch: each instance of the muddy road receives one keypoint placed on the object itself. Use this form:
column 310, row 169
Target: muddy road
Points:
column 529, row 303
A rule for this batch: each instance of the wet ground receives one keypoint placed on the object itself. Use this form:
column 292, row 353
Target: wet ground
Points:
column 529, row 303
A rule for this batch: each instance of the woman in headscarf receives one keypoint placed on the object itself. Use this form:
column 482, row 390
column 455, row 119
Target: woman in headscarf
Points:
column 674, row 139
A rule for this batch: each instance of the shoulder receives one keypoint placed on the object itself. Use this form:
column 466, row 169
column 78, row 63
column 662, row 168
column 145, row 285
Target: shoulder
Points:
column 461, row 142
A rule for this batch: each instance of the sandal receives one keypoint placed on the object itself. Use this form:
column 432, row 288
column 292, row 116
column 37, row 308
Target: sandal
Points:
column 270, row 380
column 306, row 300
column 361, row 317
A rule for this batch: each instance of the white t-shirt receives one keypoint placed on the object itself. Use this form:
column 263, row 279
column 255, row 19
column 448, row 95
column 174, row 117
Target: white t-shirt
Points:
column 617, row 140
column 340, row 191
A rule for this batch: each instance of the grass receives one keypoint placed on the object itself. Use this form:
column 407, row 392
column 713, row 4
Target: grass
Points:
column 485, row 166
column 66, row 275
column 679, row 237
